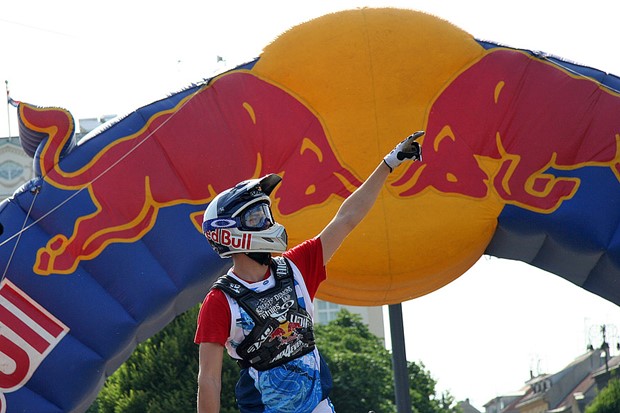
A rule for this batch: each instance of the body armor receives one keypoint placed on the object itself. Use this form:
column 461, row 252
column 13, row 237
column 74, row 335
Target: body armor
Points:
column 282, row 330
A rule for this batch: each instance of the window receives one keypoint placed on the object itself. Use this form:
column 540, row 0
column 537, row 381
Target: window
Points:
column 326, row 311
column 10, row 170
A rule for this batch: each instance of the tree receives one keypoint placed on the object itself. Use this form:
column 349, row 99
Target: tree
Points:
column 608, row 400
column 160, row 375
column 360, row 365
column 423, row 394
column 362, row 371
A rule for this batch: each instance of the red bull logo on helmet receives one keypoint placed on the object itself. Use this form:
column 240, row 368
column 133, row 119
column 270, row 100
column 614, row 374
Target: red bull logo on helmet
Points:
column 225, row 238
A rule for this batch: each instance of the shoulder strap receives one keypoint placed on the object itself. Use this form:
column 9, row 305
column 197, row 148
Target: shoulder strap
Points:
column 247, row 298
column 281, row 268
column 279, row 265
column 231, row 287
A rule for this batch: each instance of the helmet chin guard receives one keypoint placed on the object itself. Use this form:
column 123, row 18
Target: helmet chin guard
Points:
column 239, row 219
column 263, row 258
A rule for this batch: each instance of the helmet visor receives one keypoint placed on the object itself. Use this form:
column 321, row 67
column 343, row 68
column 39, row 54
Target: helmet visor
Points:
column 256, row 218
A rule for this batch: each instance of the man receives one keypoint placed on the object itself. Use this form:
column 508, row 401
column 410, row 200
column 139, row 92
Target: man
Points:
column 261, row 312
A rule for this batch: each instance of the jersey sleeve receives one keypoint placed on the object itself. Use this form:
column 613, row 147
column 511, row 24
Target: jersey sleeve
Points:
column 213, row 324
column 308, row 257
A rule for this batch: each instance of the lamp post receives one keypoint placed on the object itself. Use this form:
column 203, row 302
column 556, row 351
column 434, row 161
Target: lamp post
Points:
column 399, row 359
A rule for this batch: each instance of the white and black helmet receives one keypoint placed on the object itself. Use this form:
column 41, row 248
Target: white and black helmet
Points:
column 239, row 219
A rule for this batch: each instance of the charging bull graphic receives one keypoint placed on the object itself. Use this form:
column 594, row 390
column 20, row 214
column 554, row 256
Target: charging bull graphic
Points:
column 257, row 129
column 103, row 247
column 503, row 111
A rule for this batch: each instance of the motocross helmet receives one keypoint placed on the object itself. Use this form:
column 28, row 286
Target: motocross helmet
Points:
column 239, row 220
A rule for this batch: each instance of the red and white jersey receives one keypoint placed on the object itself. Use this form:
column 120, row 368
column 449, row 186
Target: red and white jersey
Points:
column 301, row 384
column 219, row 314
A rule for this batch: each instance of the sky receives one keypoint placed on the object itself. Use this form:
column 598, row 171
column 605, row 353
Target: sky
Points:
column 481, row 335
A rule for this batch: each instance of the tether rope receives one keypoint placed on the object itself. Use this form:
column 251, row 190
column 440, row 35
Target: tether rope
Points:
column 76, row 193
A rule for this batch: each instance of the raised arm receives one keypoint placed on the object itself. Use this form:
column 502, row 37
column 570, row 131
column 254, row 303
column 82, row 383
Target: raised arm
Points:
column 357, row 205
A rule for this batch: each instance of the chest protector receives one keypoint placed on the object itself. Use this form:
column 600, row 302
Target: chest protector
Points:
column 282, row 330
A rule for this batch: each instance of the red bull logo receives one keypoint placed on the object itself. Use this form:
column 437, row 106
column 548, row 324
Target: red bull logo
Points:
column 489, row 132
column 286, row 332
column 235, row 128
column 225, row 238
column 496, row 135
column 28, row 334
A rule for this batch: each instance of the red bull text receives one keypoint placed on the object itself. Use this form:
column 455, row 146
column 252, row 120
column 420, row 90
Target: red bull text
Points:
column 28, row 335
column 225, row 238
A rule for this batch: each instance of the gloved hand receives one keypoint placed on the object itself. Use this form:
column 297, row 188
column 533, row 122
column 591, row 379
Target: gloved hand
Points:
column 407, row 149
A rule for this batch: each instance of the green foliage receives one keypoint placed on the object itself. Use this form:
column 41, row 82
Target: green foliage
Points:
column 362, row 371
column 608, row 400
column 160, row 375
column 423, row 394
column 360, row 365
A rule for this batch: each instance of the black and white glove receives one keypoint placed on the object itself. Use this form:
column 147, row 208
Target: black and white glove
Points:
column 407, row 149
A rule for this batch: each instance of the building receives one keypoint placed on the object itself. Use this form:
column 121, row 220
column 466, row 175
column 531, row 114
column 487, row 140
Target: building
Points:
column 605, row 373
column 505, row 403
column 568, row 391
column 466, row 407
column 15, row 166
column 372, row 316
